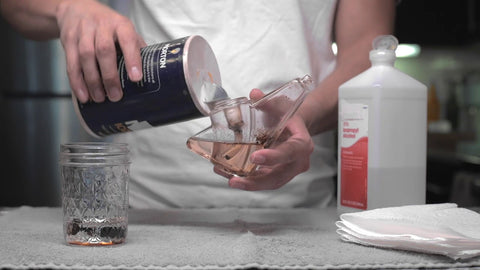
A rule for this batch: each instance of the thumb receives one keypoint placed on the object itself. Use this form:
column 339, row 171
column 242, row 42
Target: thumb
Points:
column 256, row 94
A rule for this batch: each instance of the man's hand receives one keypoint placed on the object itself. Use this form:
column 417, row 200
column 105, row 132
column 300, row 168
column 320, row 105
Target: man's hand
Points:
column 90, row 32
column 279, row 164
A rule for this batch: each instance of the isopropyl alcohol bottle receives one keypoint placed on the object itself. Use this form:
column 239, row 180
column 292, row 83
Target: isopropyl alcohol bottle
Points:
column 382, row 129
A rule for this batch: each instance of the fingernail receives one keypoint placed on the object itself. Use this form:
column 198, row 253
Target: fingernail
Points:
column 258, row 159
column 135, row 74
column 82, row 96
column 114, row 94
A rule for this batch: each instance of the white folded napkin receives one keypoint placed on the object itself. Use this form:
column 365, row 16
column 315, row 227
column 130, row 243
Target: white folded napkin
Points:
column 432, row 228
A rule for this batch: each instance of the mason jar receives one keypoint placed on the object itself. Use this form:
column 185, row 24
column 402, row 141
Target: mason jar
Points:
column 95, row 178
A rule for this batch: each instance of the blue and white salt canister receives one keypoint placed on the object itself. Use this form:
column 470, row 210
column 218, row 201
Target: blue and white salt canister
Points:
column 172, row 89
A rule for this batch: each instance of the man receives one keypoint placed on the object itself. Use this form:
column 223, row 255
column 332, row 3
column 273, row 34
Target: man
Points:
column 258, row 44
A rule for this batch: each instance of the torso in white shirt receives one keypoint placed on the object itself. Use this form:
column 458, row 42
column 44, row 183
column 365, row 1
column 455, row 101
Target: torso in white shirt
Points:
column 258, row 44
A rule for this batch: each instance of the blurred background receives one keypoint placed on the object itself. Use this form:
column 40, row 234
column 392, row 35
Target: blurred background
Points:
column 447, row 36
column 440, row 48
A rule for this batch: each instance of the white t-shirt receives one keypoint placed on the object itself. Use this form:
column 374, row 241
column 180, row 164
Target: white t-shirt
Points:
column 258, row 44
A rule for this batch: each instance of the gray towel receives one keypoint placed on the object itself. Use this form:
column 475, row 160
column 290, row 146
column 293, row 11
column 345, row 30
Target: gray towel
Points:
column 203, row 239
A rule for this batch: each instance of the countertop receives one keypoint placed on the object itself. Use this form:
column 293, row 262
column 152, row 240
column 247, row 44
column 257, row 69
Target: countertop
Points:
column 32, row 238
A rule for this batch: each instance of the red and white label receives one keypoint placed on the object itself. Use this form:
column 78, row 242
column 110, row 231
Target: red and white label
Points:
column 353, row 142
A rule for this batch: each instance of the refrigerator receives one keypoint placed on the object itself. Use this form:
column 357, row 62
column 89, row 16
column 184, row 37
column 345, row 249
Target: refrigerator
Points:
column 37, row 116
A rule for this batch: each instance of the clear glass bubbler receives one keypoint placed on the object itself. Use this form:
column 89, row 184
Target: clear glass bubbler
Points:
column 241, row 126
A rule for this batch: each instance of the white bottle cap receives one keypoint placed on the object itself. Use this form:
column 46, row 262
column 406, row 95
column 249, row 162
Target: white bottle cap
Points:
column 384, row 50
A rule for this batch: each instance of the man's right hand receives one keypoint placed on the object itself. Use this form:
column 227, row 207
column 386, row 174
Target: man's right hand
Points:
column 90, row 33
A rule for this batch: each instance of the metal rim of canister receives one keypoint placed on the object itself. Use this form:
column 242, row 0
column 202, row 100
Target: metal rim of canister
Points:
column 80, row 118
column 197, row 47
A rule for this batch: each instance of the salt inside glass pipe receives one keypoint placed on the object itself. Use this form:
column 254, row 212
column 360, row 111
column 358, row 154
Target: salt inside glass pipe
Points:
column 233, row 115
column 234, row 118
column 220, row 99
